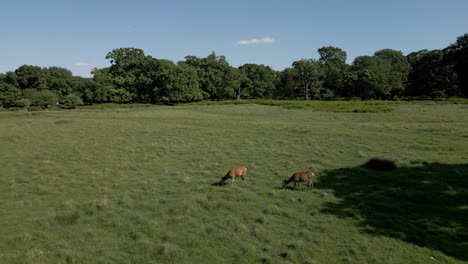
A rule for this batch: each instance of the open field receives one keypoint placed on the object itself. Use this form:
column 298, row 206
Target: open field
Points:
column 137, row 185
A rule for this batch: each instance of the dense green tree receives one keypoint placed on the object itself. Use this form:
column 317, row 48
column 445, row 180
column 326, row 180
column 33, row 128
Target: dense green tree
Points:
column 307, row 78
column 285, row 85
column 261, row 80
column 396, row 68
column 337, row 74
column 430, row 75
column 100, row 88
column 9, row 94
column 136, row 77
column 457, row 55
column 370, row 79
column 27, row 77
column 55, row 79
column 176, row 83
column 332, row 54
column 128, row 74
column 59, row 80
column 214, row 76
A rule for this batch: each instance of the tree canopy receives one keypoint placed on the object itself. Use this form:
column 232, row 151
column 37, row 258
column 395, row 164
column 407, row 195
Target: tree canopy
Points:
column 133, row 76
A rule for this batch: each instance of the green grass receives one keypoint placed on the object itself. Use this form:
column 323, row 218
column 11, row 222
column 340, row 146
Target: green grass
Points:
column 135, row 185
column 355, row 106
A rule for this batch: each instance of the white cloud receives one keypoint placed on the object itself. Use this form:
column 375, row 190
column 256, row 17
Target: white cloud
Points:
column 266, row 40
column 81, row 64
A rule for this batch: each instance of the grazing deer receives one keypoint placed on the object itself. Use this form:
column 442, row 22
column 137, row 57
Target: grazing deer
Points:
column 233, row 173
column 299, row 177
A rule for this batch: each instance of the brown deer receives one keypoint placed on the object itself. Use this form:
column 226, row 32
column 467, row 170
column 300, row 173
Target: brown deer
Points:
column 233, row 173
column 299, row 177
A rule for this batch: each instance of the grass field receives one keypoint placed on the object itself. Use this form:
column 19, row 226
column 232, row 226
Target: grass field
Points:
column 138, row 185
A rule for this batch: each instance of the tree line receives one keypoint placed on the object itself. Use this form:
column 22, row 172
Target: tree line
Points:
column 134, row 77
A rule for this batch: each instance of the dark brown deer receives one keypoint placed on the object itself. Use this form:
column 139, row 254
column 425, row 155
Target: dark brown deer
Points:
column 233, row 173
column 299, row 177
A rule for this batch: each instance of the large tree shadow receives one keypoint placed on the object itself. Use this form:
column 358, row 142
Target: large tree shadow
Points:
column 425, row 205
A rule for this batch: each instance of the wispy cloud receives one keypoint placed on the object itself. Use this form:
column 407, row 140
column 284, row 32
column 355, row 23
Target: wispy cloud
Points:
column 81, row 64
column 266, row 40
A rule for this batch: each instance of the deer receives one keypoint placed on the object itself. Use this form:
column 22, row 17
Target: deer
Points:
column 298, row 177
column 233, row 173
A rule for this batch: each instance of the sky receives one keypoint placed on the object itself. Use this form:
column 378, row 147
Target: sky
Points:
column 77, row 34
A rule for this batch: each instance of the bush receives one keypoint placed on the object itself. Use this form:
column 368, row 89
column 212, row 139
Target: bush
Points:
column 22, row 103
column 41, row 98
column 380, row 164
column 71, row 101
column 8, row 95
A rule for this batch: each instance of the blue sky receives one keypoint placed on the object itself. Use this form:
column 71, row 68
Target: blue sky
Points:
column 78, row 34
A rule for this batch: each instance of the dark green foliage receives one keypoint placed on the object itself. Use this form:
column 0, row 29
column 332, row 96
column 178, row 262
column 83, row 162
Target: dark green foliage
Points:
column 424, row 205
column 134, row 77
column 380, row 164
column 259, row 81
column 71, row 101
column 370, row 78
column 22, row 103
column 129, row 76
column 60, row 80
column 457, row 55
column 396, row 70
column 9, row 94
column 332, row 54
column 307, row 79
column 180, row 84
column 337, row 75
column 215, row 76
column 42, row 98
column 431, row 75
column 101, row 89
column 380, row 76
column 27, row 77
column 285, row 84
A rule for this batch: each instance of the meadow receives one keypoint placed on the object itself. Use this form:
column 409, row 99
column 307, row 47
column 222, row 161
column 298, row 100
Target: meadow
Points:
column 138, row 185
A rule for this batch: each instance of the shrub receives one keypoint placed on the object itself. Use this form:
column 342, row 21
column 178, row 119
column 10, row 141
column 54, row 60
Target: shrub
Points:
column 41, row 98
column 71, row 101
column 380, row 164
column 8, row 95
column 22, row 103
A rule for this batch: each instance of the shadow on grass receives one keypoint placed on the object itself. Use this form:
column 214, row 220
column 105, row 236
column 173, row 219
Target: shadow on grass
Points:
column 285, row 188
column 425, row 205
column 221, row 183
column 291, row 188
